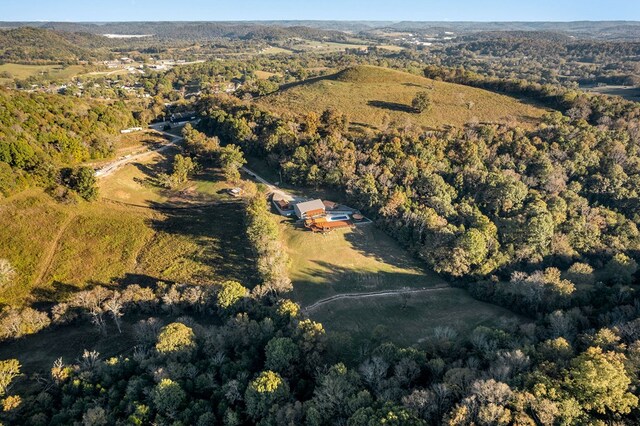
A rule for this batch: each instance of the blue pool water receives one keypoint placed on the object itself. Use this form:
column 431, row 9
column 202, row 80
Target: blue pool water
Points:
column 335, row 218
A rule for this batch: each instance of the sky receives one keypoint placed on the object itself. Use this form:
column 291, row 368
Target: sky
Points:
column 389, row 10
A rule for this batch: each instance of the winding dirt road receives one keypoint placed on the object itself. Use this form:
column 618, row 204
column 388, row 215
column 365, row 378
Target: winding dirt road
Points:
column 115, row 165
column 372, row 294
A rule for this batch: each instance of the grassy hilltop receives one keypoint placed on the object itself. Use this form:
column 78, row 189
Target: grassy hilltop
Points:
column 371, row 96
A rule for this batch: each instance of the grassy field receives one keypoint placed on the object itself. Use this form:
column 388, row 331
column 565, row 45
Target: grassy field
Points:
column 371, row 96
column 364, row 259
column 264, row 75
column 350, row 260
column 273, row 50
column 53, row 72
column 136, row 232
column 629, row 93
column 407, row 321
column 391, row 47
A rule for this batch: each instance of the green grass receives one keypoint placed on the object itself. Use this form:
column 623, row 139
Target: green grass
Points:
column 133, row 183
column 264, row 75
column 372, row 95
column 350, row 260
column 413, row 323
column 273, row 50
column 362, row 260
column 391, row 47
column 101, row 245
column 54, row 72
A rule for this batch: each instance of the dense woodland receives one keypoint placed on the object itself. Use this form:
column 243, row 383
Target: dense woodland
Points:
column 43, row 134
column 543, row 221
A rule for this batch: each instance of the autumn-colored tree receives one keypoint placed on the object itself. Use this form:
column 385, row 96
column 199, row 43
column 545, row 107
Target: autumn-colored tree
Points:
column 600, row 382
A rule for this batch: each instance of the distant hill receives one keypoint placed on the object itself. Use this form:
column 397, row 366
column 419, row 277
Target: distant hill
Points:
column 28, row 44
column 335, row 30
column 191, row 30
column 372, row 95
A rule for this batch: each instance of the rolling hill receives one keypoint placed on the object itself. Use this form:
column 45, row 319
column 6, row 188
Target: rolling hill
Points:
column 36, row 45
column 371, row 96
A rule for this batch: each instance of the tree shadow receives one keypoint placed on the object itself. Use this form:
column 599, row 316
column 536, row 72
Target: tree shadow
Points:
column 378, row 245
column 345, row 279
column 218, row 230
column 56, row 292
column 392, row 106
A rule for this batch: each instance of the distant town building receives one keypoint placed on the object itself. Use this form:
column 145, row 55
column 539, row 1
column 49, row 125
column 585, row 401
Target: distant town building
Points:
column 131, row 130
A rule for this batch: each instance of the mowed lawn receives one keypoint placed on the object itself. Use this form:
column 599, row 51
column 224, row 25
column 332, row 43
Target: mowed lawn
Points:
column 349, row 260
column 410, row 320
column 363, row 260
column 376, row 97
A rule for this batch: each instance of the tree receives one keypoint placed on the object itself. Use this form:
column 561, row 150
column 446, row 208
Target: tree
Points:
column 231, row 160
column 82, row 180
column 168, row 396
column 264, row 393
column 197, row 143
column 183, row 167
column 9, row 370
column 334, row 122
column 7, row 272
column 620, row 269
column 281, row 353
column 230, row 293
column 114, row 305
column 175, row 337
column 600, row 383
column 421, row 102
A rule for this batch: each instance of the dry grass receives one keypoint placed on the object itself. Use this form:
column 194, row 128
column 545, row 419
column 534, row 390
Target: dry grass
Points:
column 137, row 232
column 264, row 75
column 54, row 72
column 372, row 96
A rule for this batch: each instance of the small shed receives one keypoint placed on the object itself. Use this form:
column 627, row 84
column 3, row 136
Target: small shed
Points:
column 330, row 205
column 309, row 209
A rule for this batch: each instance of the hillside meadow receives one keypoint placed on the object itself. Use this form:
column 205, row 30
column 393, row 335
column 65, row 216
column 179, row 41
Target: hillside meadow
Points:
column 135, row 233
column 377, row 97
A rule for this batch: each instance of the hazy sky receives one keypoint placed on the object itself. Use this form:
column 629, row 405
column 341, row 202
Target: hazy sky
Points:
column 392, row 10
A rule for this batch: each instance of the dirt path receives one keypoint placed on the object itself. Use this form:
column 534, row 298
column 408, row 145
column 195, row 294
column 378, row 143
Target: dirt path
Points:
column 272, row 188
column 372, row 294
column 45, row 263
column 115, row 165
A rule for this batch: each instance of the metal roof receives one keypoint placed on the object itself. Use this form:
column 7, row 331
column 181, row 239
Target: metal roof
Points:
column 310, row 205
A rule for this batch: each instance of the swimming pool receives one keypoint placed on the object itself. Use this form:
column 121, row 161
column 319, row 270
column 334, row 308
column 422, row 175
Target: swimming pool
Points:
column 331, row 218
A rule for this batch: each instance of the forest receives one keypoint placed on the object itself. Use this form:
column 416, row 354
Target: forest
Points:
column 44, row 134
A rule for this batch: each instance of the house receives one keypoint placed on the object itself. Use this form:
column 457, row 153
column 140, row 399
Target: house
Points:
column 309, row 209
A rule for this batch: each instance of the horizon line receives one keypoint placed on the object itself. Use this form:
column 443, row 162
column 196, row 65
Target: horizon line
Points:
column 395, row 21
